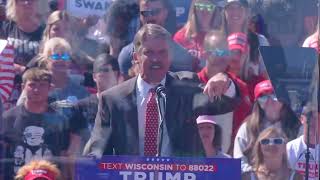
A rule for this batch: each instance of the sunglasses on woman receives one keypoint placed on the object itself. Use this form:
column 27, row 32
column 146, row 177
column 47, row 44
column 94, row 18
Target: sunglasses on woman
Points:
column 272, row 141
column 219, row 52
column 263, row 99
column 150, row 13
column 204, row 7
column 63, row 57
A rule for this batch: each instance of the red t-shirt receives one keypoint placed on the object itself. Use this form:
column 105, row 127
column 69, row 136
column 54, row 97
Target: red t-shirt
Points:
column 244, row 108
column 194, row 45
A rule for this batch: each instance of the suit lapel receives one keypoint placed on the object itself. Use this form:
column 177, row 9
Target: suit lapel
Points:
column 171, row 124
column 131, row 117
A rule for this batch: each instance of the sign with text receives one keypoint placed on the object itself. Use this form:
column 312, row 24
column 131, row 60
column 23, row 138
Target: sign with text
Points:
column 83, row 8
column 160, row 168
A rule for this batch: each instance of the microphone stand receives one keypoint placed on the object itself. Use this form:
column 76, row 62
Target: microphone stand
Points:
column 307, row 154
column 161, row 103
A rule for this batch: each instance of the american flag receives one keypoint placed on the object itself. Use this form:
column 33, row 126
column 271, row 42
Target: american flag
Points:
column 7, row 72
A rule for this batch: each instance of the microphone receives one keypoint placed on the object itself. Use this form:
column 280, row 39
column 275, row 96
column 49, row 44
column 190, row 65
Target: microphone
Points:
column 161, row 103
column 161, row 91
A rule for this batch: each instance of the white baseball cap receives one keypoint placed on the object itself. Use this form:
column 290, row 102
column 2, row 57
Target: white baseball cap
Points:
column 242, row 2
column 206, row 119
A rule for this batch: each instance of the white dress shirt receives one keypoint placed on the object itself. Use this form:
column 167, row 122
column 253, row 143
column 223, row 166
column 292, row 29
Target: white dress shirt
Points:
column 142, row 97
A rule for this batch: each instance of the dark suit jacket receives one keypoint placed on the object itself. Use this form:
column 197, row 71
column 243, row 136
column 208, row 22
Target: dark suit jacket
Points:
column 116, row 124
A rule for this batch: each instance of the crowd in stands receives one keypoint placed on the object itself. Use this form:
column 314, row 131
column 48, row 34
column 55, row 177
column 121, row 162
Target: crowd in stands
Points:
column 65, row 93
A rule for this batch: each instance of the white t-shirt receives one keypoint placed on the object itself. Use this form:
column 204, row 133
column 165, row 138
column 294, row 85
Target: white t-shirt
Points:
column 242, row 141
column 296, row 150
column 311, row 41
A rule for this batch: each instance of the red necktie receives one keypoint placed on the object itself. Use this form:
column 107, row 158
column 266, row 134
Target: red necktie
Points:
column 151, row 130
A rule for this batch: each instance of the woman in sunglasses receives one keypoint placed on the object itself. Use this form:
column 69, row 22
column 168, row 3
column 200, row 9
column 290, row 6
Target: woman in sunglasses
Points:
column 204, row 15
column 56, row 58
column 268, row 111
column 269, row 157
column 235, row 20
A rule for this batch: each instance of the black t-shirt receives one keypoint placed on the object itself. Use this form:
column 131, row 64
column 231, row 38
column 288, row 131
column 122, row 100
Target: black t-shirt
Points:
column 34, row 136
column 26, row 45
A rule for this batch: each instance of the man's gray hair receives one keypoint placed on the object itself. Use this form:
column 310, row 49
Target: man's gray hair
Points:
column 152, row 31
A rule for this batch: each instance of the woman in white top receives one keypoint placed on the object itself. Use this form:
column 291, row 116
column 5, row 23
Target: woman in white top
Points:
column 268, row 111
column 269, row 157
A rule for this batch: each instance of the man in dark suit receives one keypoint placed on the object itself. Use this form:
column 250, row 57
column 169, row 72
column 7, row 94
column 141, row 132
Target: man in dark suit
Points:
column 125, row 122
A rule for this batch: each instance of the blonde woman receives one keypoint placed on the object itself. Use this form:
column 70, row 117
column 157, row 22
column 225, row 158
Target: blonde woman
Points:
column 270, row 157
column 235, row 20
column 61, row 24
column 23, row 29
column 58, row 25
column 204, row 15
column 56, row 58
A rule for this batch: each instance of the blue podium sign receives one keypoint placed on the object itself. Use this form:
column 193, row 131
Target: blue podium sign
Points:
column 153, row 168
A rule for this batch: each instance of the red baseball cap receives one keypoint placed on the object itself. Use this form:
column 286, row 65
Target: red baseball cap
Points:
column 238, row 41
column 264, row 87
column 39, row 173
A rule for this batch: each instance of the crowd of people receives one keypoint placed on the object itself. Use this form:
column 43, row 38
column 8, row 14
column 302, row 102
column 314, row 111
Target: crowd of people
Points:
column 67, row 94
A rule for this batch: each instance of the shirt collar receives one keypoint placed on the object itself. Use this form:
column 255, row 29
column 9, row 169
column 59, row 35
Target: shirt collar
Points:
column 143, row 87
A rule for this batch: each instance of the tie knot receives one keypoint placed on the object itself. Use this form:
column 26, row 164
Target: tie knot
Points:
column 152, row 90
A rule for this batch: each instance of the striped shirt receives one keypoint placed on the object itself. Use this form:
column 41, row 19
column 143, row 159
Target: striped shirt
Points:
column 7, row 73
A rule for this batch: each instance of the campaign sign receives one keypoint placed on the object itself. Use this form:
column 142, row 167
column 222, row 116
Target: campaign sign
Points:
column 83, row 8
column 182, row 10
column 157, row 168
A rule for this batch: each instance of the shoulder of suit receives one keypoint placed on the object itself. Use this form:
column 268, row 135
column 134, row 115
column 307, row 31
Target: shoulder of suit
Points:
column 184, row 82
column 121, row 89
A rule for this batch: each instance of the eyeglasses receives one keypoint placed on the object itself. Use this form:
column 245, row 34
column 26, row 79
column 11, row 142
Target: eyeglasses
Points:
column 151, row 12
column 263, row 99
column 219, row 52
column 272, row 141
column 204, row 7
column 63, row 57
